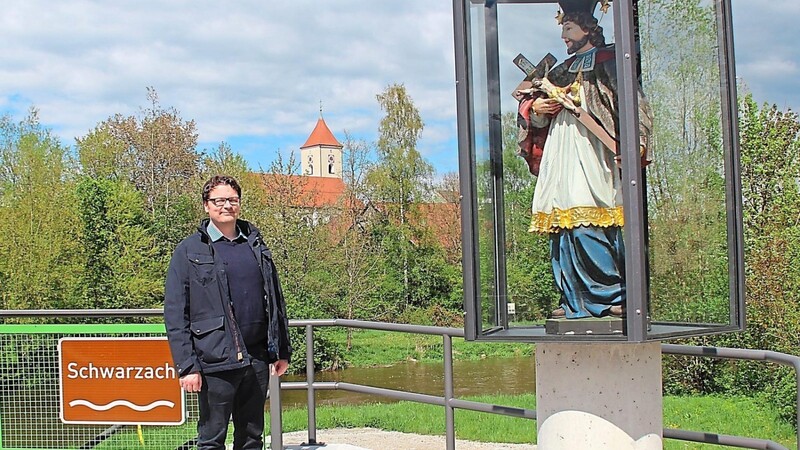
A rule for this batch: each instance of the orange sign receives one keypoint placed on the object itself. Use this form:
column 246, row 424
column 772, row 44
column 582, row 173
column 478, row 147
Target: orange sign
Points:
column 125, row 381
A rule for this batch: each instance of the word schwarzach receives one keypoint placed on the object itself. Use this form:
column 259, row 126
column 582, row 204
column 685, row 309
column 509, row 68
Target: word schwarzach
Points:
column 91, row 371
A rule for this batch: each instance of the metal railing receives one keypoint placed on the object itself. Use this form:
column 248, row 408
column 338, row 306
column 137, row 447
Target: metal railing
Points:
column 740, row 354
column 448, row 400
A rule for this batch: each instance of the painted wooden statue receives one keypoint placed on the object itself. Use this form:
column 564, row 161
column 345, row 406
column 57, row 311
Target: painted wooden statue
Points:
column 568, row 135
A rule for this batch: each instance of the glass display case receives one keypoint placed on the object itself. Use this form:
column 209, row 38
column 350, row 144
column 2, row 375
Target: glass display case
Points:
column 599, row 166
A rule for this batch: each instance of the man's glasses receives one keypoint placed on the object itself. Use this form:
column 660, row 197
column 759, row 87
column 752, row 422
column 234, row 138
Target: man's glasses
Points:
column 220, row 201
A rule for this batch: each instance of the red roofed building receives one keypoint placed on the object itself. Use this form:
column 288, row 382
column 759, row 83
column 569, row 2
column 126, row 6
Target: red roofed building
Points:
column 307, row 191
column 321, row 188
column 321, row 184
column 321, row 155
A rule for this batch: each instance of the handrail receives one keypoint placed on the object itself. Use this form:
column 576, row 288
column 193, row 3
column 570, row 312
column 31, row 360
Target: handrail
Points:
column 448, row 400
column 140, row 312
column 451, row 403
column 743, row 354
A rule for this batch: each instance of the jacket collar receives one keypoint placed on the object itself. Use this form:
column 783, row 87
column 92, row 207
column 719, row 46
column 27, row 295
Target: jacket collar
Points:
column 246, row 229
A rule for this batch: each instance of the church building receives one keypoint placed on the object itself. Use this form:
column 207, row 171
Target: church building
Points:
column 321, row 155
column 320, row 183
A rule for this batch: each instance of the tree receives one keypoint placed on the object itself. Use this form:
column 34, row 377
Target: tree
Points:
column 356, row 256
column 38, row 264
column 123, row 267
column 686, row 190
column 530, row 284
column 294, row 226
column 155, row 152
column 770, row 144
column 291, row 221
column 101, row 154
column 223, row 161
column 401, row 176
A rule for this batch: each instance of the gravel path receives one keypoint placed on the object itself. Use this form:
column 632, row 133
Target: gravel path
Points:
column 374, row 439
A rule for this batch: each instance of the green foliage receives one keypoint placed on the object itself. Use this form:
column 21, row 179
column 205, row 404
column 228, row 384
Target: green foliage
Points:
column 381, row 348
column 223, row 160
column 686, row 192
column 97, row 276
column 155, row 152
column 328, row 352
column 770, row 170
column 401, row 175
column 529, row 274
column 770, row 150
column 123, row 266
column 399, row 179
column 38, row 257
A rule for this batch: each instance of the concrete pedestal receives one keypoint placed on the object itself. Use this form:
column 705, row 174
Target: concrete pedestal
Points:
column 618, row 382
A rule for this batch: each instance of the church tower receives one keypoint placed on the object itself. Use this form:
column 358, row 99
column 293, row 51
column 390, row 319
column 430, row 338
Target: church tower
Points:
column 321, row 155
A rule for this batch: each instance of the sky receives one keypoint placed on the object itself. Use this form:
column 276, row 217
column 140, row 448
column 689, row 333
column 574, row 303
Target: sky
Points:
column 255, row 73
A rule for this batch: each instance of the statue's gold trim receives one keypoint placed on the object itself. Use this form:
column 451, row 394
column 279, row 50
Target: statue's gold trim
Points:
column 560, row 219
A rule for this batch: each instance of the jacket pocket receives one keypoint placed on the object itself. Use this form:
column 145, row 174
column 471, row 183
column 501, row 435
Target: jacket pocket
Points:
column 210, row 342
column 202, row 268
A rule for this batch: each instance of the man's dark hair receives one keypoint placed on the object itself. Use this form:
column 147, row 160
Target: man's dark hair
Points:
column 218, row 180
column 588, row 23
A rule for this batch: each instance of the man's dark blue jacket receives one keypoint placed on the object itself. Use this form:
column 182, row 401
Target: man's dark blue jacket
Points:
column 201, row 328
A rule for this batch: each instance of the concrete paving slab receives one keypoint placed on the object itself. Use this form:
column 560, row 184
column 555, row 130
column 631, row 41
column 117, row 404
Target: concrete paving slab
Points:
column 323, row 447
column 374, row 439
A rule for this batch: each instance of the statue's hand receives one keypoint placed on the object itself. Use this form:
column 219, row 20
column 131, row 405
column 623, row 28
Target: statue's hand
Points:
column 556, row 93
column 546, row 105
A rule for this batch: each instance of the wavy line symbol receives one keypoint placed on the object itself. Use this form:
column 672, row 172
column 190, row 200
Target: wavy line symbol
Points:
column 133, row 406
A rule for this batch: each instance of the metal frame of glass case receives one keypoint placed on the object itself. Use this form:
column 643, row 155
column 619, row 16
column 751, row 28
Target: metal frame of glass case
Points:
column 477, row 58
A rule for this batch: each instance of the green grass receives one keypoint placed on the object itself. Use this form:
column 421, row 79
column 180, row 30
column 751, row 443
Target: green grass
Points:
column 379, row 348
column 739, row 416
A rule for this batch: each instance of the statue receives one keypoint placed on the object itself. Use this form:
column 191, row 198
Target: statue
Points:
column 568, row 117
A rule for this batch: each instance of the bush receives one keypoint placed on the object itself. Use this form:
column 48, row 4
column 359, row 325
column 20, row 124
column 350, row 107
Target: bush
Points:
column 327, row 352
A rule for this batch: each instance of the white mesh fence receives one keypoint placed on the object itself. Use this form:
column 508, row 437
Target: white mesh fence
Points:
column 29, row 396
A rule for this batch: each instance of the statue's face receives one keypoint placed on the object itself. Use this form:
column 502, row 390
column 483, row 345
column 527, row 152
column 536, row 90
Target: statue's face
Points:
column 574, row 37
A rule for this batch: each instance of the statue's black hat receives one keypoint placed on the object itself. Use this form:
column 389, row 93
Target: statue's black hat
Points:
column 572, row 6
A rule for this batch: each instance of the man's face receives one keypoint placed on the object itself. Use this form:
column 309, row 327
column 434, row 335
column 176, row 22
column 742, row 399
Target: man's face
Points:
column 574, row 37
column 226, row 213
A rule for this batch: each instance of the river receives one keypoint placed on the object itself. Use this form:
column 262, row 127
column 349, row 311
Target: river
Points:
column 487, row 376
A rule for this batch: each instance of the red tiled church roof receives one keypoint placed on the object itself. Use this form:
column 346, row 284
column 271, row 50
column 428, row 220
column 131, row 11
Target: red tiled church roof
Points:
column 321, row 136
column 311, row 192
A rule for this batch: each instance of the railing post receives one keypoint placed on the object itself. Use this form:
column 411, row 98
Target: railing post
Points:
column 275, row 422
column 796, row 367
column 449, row 393
column 312, row 402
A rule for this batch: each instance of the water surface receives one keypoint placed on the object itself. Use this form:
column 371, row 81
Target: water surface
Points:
column 488, row 376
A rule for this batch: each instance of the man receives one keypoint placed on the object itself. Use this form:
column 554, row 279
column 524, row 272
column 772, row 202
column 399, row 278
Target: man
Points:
column 226, row 320
column 577, row 200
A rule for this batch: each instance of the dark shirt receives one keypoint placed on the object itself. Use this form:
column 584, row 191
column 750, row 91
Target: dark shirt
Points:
column 246, row 286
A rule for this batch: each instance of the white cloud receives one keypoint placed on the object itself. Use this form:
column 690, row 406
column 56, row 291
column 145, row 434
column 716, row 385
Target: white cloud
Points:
column 260, row 68
column 773, row 68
